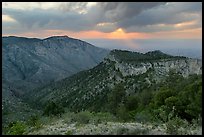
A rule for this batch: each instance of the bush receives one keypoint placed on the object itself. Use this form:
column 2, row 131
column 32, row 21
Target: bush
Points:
column 131, row 103
column 68, row 117
column 17, row 128
column 174, row 125
column 143, row 117
column 53, row 109
column 83, row 117
column 122, row 113
column 34, row 121
column 69, row 132
column 116, row 97
column 160, row 114
column 161, row 96
column 104, row 116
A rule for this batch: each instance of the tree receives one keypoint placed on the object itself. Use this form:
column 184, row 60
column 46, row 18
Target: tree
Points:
column 131, row 103
column 116, row 97
column 161, row 96
column 53, row 109
column 122, row 112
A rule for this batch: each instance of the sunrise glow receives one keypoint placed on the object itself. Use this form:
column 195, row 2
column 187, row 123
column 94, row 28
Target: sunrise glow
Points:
column 94, row 20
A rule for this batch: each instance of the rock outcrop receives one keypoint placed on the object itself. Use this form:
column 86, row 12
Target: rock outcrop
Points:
column 184, row 66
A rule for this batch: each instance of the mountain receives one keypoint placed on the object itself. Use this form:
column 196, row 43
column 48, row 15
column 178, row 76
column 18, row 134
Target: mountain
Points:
column 30, row 62
column 135, row 71
column 127, row 87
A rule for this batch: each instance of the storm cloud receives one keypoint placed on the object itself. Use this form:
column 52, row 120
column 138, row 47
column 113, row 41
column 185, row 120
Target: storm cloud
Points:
column 105, row 17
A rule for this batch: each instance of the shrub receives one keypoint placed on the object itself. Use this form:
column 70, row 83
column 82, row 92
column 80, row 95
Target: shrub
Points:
column 69, row 132
column 105, row 116
column 17, row 128
column 34, row 121
column 83, row 117
column 53, row 109
column 161, row 96
column 122, row 113
column 160, row 114
column 115, row 97
column 174, row 125
column 143, row 117
column 131, row 103
column 69, row 117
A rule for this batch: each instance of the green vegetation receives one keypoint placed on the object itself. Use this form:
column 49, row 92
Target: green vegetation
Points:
column 53, row 109
column 83, row 117
column 102, row 95
column 128, row 56
column 34, row 121
column 174, row 124
column 69, row 132
column 116, row 97
column 16, row 128
column 177, row 101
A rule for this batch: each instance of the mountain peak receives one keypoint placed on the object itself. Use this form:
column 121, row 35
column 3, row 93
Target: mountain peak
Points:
column 155, row 52
column 57, row 37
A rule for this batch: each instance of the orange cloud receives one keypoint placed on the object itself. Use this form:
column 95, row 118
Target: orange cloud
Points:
column 181, row 34
column 118, row 34
column 121, row 34
column 184, row 24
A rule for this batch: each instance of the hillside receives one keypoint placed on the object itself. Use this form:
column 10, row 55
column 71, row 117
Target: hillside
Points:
column 89, row 89
column 125, row 94
column 130, row 92
column 28, row 63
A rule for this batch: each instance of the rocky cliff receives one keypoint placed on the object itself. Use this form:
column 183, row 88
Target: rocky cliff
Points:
column 184, row 66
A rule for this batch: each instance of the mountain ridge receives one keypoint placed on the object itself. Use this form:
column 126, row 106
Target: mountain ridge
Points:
column 118, row 80
column 28, row 63
column 72, row 93
column 48, row 52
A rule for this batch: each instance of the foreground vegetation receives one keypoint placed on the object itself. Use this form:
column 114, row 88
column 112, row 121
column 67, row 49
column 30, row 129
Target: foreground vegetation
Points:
column 90, row 123
column 173, row 106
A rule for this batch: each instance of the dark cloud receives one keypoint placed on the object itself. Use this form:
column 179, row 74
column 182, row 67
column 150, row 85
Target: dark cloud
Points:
column 166, row 14
column 49, row 19
column 122, row 10
column 73, row 6
column 132, row 16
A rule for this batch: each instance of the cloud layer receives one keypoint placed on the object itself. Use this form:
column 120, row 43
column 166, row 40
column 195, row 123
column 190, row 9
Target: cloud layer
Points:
column 104, row 17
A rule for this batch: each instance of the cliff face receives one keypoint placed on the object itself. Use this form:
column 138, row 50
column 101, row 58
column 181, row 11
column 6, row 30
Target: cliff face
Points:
column 184, row 66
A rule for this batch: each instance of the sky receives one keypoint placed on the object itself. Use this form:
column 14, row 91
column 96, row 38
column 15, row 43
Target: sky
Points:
column 125, row 25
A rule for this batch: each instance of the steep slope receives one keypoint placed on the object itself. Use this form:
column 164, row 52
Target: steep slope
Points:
column 136, row 71
column 29, row 63
column 14, row 108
